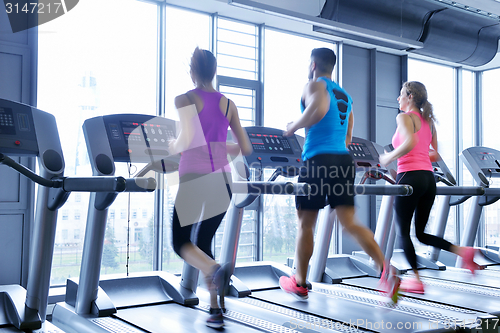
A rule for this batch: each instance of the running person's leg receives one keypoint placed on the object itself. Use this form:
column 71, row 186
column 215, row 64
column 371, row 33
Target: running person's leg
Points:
column 341, row 199
column 423, row 210
column 307, row 213
column 404, row 207
column 305, row 243
column 363, row 235
column 421, row 218
column 187, row 211
column 215, row 209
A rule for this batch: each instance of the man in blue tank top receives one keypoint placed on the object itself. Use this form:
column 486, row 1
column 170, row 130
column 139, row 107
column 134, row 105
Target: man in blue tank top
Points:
column 329, row 169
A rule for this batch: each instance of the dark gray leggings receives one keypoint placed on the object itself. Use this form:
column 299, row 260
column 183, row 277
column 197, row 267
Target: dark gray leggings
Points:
column 420, row 203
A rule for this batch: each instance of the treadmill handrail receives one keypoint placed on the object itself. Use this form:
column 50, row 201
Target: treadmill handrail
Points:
column 266, row 187
column 27, row 172
column 444, row 180
column 369, row 189
column 492, row 191
column 460, row 190
column 83, row 184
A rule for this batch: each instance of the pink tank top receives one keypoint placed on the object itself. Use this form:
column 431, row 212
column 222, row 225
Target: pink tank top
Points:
column 418, row 157
column 207, row 152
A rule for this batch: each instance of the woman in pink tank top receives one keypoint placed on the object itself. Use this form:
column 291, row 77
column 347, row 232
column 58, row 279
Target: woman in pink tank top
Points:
column 414, row 135
column 205, row 176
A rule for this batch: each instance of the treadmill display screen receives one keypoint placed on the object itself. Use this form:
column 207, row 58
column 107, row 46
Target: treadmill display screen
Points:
column 7, row 121
column 143, row 133
column 268, row 143
column 485, row 156
column 360, row 151
column 256, row 141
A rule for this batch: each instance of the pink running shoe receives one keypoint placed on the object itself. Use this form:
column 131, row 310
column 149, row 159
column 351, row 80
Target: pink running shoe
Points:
column 468, row 259
column 389, row 283
column 412, row 285
column 289, row 285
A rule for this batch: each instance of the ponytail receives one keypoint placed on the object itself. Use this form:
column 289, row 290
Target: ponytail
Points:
column 419, row 93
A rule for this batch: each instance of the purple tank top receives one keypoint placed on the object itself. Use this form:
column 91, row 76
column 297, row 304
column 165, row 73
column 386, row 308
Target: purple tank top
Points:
column 207, row 152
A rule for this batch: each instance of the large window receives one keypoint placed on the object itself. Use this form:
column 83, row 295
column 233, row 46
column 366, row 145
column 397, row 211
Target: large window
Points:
column 195, row 28
column 88, row 69
column 439, row 81
column 491, row 118
column 186, row 30
column 286, row 68
column 238, row 70
column 286, row 62
column 237, row 49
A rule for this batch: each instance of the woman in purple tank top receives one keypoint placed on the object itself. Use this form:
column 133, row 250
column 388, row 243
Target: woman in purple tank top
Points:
column 414, row 135
column 205, row 176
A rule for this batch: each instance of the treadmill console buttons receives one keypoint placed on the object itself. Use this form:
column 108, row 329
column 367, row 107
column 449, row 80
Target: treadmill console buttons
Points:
column 7, row 122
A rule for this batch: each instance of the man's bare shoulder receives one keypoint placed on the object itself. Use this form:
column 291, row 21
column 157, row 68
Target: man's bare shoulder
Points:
column 314, row 86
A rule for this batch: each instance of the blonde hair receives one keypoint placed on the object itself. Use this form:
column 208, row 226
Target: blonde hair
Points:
column 417, row 89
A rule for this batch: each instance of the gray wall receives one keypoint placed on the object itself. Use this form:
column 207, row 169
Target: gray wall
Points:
column 17, row 70
column 373, row 79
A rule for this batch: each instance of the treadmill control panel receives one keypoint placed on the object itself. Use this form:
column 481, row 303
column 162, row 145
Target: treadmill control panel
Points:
column 271, row 149
column 365, row 153
column 482, row 162
column 134, row 133
column 136, row 138
column 17, row 131
column 7, row 121
column 360, row 150
column 267, row 143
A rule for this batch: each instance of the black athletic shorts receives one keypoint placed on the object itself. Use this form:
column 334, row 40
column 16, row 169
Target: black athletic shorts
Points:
column 331, row 177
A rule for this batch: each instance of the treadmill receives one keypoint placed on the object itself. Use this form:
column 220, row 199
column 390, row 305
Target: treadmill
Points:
column 483, row 164
column 254, row 286
column 478, row 301
column 345, row 269
column 32, row 132
column 151, row 301
column 488, row 278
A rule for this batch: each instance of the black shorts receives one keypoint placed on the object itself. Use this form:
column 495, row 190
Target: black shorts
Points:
column 331, row 177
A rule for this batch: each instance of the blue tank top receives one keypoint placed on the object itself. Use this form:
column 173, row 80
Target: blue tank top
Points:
column 328, row 135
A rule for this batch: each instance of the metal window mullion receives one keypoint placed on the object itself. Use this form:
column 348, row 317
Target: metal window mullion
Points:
column 478, row 114
column 478, row 141
column 236, row 94
column 237, row 82
column 238, row 44
column 159, row 199
column 237, row 57
column 458, row 143
column 259, row 121
column 237, row 69
column 238, row 32
column 213, row 34
column 340, row 62
column 373, row 128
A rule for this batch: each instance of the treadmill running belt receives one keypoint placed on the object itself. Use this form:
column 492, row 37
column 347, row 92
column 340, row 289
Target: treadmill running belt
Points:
column 471, row 297
column 355, row 314
column 173, row 317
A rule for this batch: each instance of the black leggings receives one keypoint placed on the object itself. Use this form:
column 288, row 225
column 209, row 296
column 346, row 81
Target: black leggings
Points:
column 204, row 233
column 204, row 199
column 420, row 202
